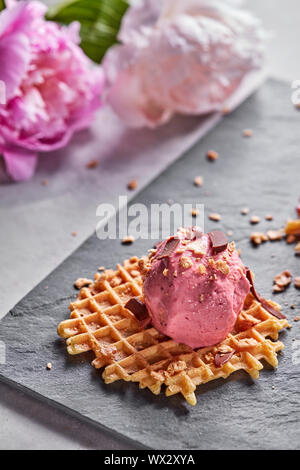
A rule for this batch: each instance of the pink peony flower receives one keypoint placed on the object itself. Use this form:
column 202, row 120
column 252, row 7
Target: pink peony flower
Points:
column 180, row 56
column 52, row 89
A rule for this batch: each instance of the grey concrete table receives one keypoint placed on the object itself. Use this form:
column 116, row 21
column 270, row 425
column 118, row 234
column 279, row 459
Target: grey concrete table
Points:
column 38, row 221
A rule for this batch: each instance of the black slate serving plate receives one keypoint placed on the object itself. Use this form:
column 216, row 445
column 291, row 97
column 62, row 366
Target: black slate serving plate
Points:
column 262, row 173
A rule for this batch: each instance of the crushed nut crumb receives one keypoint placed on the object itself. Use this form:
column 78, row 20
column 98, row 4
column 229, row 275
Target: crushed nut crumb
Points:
column 202, row 269
column 49, row 366
column 194, row 212
column 186, row 262
column 297, row 282
column 245, row 211
column 128, row 240
column 82, row 282
column 247, row 132
column 74, row 234
column 296, row 319
column 269, row 217
column 290, row 239
column 198, row 181
column 212, row 155
column 254, row 220
column 92, row 164
column 165, row 272
column 215, row 217
column 282, row 281
column 274, row 235
column 258, row 237
column 132, row 185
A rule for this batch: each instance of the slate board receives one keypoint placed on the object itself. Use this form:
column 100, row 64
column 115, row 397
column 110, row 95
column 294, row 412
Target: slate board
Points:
column 262, row 173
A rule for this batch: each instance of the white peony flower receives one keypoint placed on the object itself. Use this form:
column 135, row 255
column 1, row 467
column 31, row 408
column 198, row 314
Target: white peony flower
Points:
column 180, row 56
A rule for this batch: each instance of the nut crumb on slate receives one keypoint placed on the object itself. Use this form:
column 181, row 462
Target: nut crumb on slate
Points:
column 194, row 212
column 269, row 217
column 297, row 282
column 293, row 306
column 229, row 233
column 215, row 217
column 44, row 182
column 245, row 211
column 258, row 237
column 274, row 235
column 198, row 181
column 254, row 219
column 296, row 319
column 74, row 234
column 282, row 281
column 82, row 282
column 92, row 164
column 212, row 155
column 128, row 240
column 101, row 268
column 132, row 185
column 297, row 247
column 186, row 262
column 247, row 132
column 49, row 366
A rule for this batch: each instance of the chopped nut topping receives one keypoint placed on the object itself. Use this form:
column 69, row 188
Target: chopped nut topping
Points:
column 116, row 281
column 186, row 262
column 224, row 349
column 175, row 367
column 269, row 217
column 245, row 211
column 92, row 164
column 165, row 272
column 215, row 217
column 82, row 282
column 202, row 269
column 247, row 132
column 258, row 237
column 297, row 282
column 212, row 155
column 198, row 181
column 49, row 366
column 128, row 240
column 144, row 266
column 297, row 248
column 209, row 357
column 245, row 322
column 231, row 247
column 274, row 235
column 246, row 343
column 160, row 375
column 132, row 185
column 276, row 288
column 222, row 266
column 254, row 220
column 197, row 248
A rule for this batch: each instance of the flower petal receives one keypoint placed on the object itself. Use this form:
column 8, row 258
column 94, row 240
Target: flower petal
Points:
column 20, row 165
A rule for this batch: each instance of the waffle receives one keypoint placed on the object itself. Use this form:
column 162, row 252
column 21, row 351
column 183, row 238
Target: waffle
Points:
column 100, row 322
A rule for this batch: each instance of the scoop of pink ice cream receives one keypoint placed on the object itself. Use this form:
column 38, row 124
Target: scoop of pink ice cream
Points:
column 193, row 294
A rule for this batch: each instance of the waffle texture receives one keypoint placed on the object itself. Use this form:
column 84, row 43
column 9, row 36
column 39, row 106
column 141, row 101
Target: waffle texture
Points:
column 100, row 322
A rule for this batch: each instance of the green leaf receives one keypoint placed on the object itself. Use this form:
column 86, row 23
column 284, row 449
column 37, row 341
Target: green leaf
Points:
column 100, row 22
column 2, row 5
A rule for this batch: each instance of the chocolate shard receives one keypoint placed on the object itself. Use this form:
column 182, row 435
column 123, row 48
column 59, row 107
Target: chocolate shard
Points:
column 138, row 308
column 265, row 304
column 219, row 241
column 221, row 359
column 169, row 247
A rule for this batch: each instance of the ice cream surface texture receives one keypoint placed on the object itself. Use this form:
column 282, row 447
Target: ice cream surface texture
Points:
column 194, row 290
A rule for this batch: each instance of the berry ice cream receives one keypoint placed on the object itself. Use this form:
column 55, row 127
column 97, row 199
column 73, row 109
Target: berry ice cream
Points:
column 195, row 287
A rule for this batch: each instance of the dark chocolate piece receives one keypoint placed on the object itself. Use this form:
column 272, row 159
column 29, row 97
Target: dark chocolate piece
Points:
column 265, row 304
column 276, row 313
column 138, row 308
column 219, row 241
column 169, row 247
column 221, row 359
